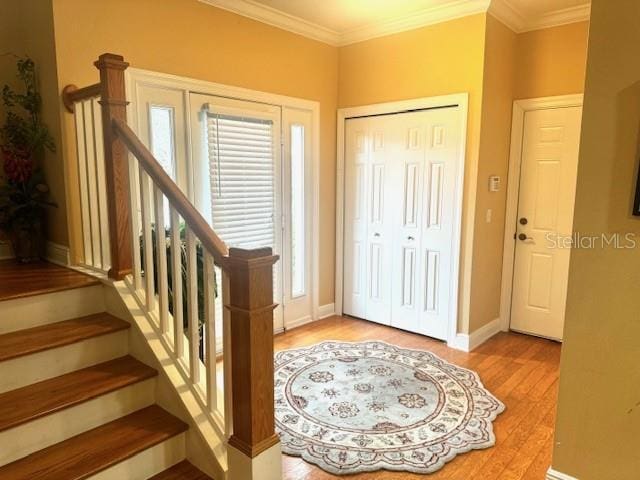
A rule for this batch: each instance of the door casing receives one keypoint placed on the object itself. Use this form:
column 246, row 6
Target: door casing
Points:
column 136, row 78
column 520, row 107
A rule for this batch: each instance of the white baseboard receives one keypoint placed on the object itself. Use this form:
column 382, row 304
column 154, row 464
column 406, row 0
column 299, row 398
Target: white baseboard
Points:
column 324, row 311
column 55, row 253
column 327, row 310
column 469, row 342
column 555, row 475
column 58, row 254
column 299, row 322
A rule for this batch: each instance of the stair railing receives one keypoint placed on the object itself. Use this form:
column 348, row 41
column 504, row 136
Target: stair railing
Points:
column 178, row 268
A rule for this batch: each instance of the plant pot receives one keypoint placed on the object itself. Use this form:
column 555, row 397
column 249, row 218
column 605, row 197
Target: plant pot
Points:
column 27, row 241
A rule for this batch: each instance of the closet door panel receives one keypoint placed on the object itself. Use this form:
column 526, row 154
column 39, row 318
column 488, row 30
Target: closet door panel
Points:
column 355, row 219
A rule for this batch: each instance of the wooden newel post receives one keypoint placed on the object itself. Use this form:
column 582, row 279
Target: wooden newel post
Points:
column 114, row 106
column 251, row 307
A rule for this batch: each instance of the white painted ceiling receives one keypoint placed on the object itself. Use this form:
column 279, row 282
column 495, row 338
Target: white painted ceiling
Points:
column 345, row 15
column 340, row 22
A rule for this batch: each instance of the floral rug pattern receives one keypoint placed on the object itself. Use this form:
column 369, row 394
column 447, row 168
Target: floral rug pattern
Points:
column 359, row 407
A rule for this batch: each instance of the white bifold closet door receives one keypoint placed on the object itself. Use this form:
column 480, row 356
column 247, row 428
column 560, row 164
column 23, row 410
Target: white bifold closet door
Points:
column 400, row 193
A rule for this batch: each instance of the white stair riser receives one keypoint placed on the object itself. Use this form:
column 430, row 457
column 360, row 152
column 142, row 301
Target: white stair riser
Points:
column 36, row 310
column 24, row 439
column 28, row 369
column 148, row 463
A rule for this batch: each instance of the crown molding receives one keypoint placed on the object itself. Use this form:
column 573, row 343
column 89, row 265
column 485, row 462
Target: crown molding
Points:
column 507, row 14
column 428, row 16
column 278, row 18
column 564, row 16
column 503, row 10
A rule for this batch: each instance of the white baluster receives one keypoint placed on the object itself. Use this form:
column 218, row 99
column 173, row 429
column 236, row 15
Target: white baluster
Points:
column 210, row 331
column 103, row 211
column 82, row 183
column 176, row 268
column 92, row 185
column 226, row 356
column 147, row 244
column 161, row 265
column 136, row 221
column 192, row 306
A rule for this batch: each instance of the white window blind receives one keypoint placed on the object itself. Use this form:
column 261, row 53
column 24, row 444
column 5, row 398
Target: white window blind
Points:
column 241, row 171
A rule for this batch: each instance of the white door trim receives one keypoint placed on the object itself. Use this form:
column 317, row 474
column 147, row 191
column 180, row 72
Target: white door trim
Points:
column 136, row 76
column 462, row 101
column 520, row 107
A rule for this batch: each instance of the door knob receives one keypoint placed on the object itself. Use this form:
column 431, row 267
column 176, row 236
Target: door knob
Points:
column 524, row 237
column 410, row 238
column 376, row 234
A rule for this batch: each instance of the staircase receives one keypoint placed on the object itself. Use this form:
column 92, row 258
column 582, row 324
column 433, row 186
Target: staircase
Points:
column 74, row 404
column 86, row 394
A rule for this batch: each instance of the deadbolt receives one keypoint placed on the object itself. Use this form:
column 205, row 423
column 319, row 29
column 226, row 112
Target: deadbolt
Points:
column 523, row 221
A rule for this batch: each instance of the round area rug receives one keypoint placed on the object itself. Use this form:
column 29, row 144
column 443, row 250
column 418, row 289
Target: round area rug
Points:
column 360, row 407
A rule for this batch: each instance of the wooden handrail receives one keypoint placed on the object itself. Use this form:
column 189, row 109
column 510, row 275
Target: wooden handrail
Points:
column 178, row 200
column 72, row 94
column 246, row 288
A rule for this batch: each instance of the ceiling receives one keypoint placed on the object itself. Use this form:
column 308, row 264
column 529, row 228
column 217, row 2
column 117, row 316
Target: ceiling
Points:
column 340, row 22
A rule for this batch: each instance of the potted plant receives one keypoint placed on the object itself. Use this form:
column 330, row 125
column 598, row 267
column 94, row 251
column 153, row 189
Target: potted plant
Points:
column 24, row 139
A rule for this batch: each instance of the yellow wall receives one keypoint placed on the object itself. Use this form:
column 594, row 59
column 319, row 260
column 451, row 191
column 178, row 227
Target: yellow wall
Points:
column 475, row 54
column 189, row 38
column 495, row 139
column 26, row 28
column 435, row 60
column 598, row 426
column 551, row 61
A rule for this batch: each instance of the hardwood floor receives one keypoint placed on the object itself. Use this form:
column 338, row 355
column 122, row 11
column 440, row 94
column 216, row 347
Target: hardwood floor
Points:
column 521, row 371
column 18, row 280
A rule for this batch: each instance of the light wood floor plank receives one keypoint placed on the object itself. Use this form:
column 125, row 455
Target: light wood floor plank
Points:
column 521, row 370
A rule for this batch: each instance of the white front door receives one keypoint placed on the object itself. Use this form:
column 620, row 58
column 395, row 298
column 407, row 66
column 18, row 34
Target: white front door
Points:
column 400, row 185
column 549, row 165
column 237, row 175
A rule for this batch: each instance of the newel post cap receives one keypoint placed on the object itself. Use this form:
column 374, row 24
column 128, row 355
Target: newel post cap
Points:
column 111, row 61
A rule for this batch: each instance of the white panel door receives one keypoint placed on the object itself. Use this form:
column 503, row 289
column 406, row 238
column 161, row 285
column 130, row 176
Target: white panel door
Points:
column 237, row 176
column 400, row 190
column 355, row 217
column 545, row 216
column 368, row 232
column 424, row 187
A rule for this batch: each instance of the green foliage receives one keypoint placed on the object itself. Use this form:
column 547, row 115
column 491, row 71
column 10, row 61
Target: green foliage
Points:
column 25, row 131
column 183, row 273
column 23, row 141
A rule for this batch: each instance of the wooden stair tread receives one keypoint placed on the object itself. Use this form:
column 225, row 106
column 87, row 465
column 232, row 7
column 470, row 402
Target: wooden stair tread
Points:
column 24, row 280
column 34, row 401
column 44, row 337
column 93, row 451
column 182, row 471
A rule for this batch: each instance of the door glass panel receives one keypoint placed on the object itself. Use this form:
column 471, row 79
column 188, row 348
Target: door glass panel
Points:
column 161, row 135
column 297, row 212
column 241, row 172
